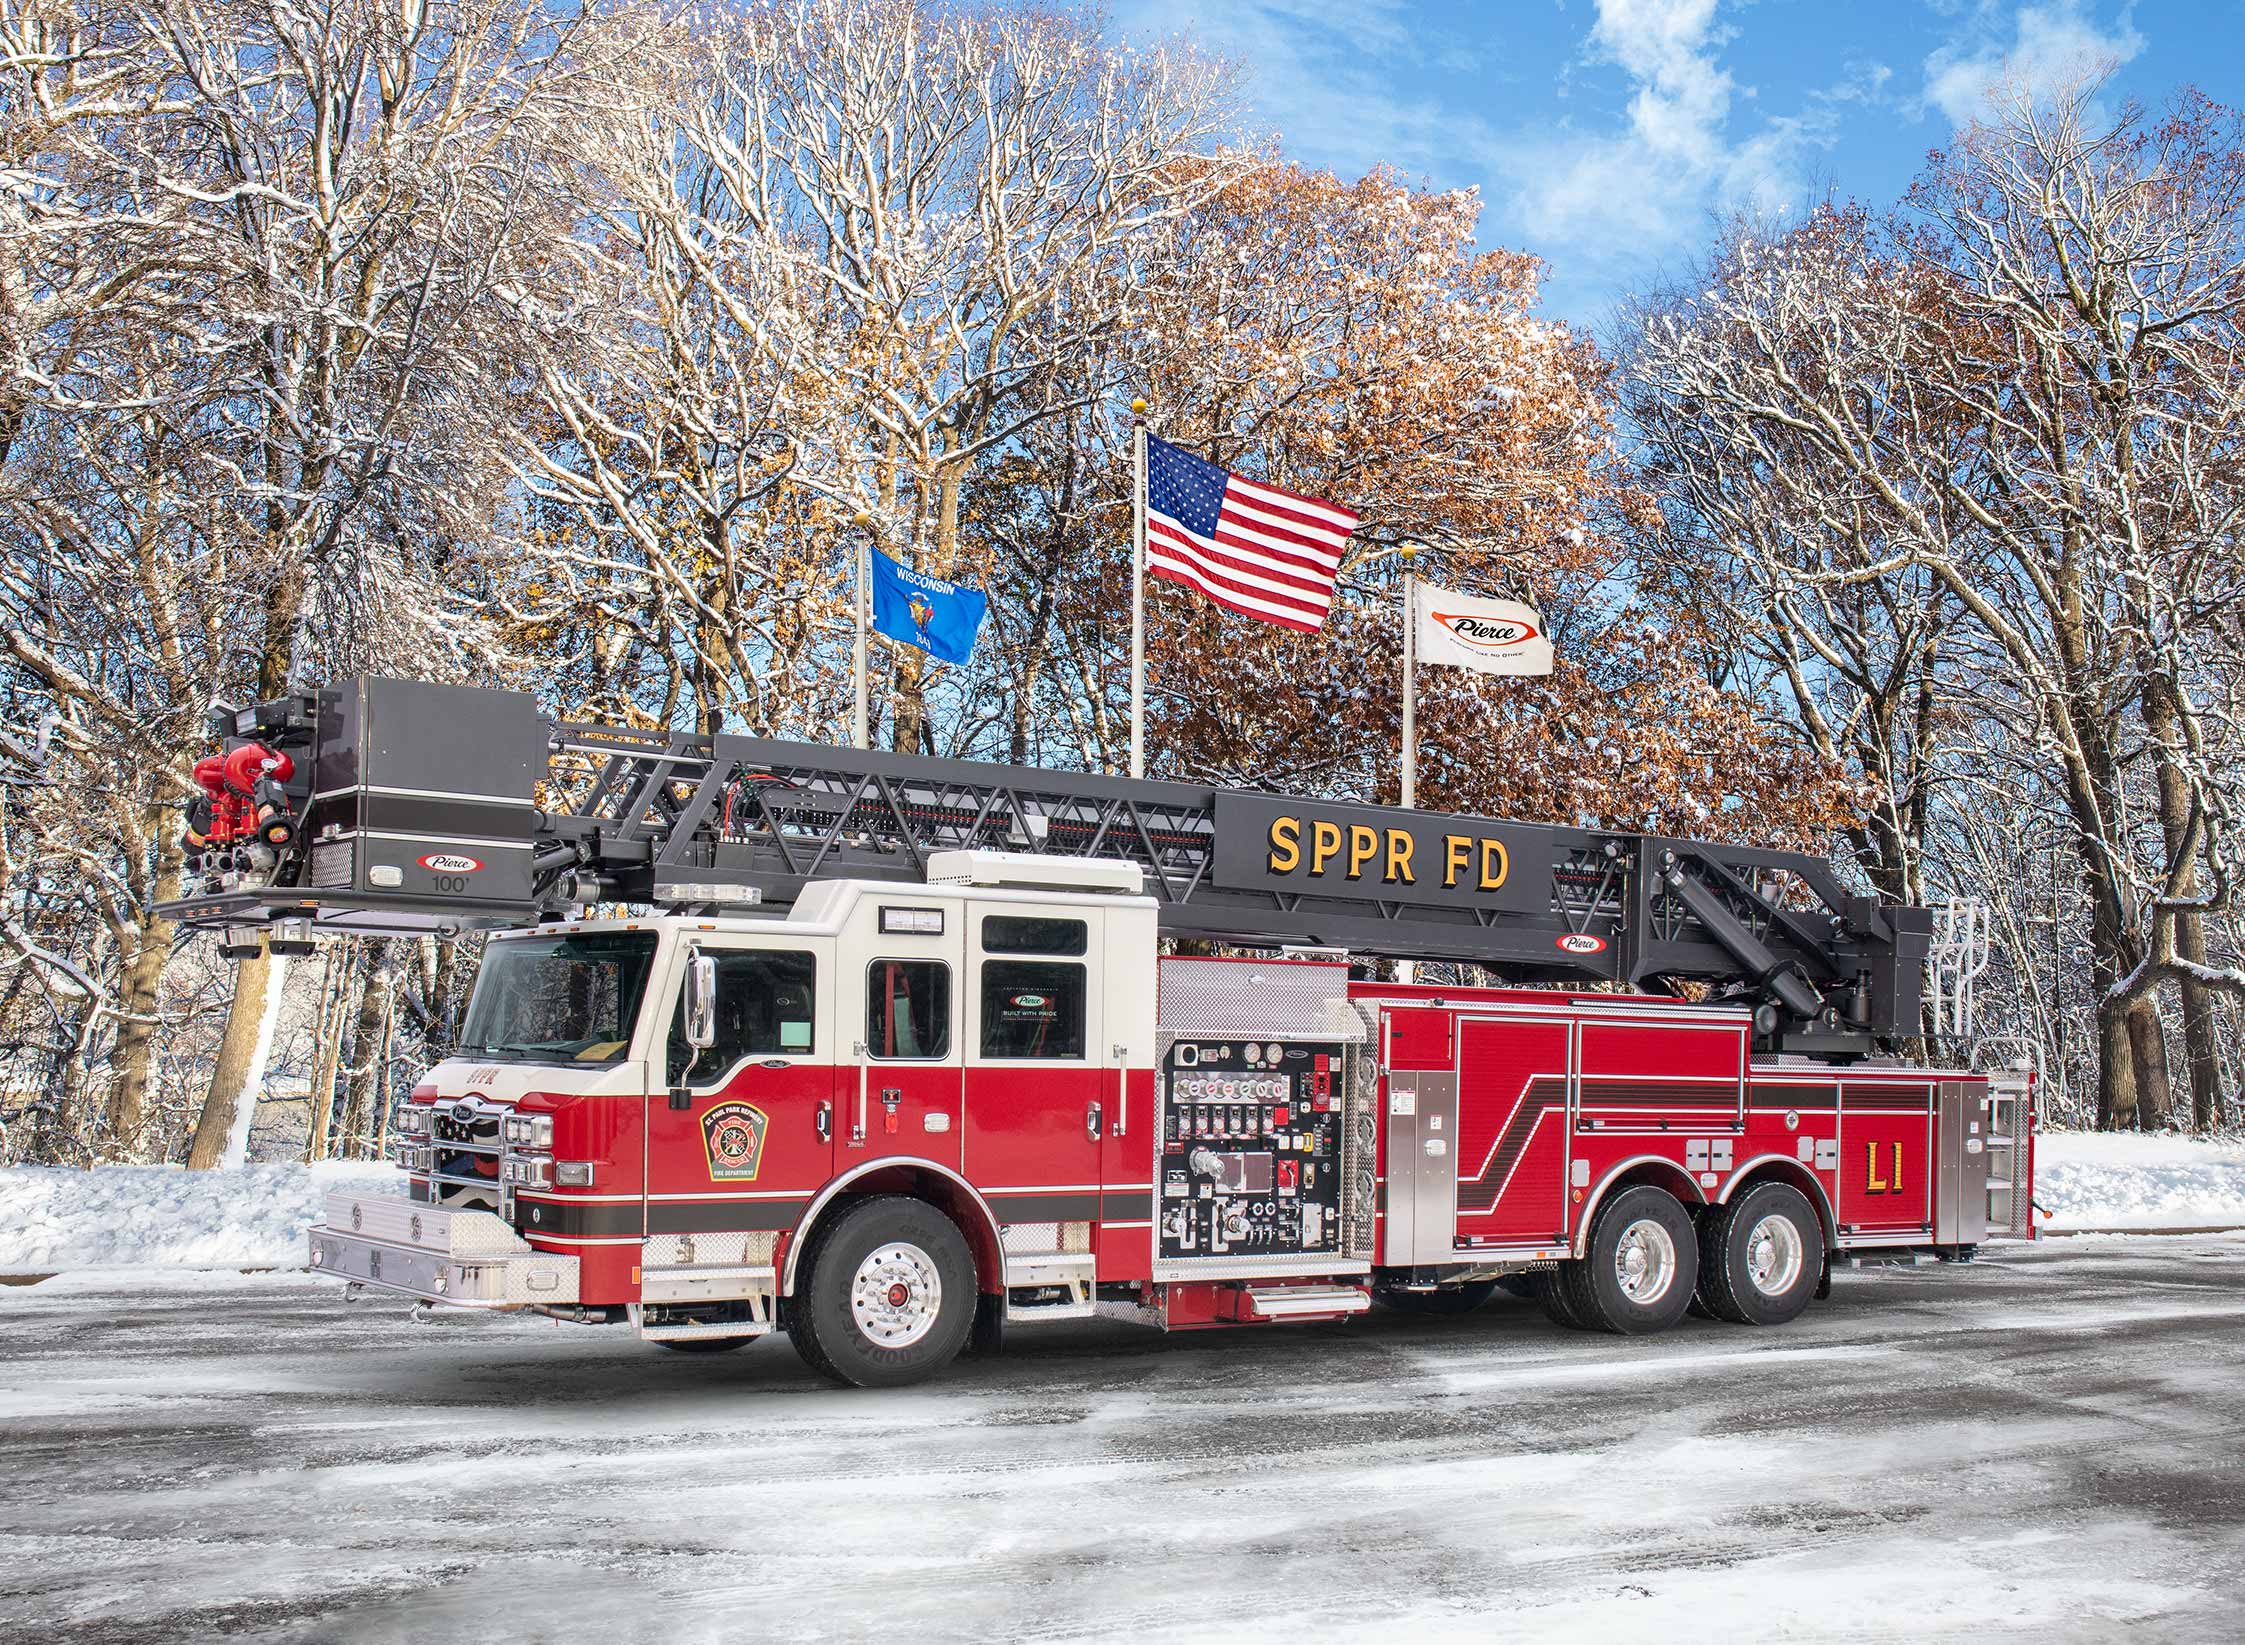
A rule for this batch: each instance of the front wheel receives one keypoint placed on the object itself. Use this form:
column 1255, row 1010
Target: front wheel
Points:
column 1762, row 1257
column 889, row 1295
column 1638, row 1268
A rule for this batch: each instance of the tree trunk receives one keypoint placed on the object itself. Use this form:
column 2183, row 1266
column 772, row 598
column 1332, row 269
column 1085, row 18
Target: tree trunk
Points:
column 2116, row 1076
column 327, row 1049
column 133, row 1060
column 2201, row 1047
column 2147, row 1042
column 366, row 1053
column 141, row 994
column 239, row 1073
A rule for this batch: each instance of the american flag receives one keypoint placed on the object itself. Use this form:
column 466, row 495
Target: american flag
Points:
column 1250, row 547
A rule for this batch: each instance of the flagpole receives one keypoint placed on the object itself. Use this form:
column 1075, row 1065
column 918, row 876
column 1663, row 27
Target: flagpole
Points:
column 1410, row 553
column 860, row 732
column 1407, row 971
column 1138, row 588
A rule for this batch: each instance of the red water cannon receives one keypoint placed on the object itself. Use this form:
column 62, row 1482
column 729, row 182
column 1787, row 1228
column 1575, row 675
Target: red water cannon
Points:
column 243, row 800
column 253, row 778
column 204, row 816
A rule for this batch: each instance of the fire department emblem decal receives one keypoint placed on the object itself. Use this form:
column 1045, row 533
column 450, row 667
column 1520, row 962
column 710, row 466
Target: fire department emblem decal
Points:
column 733, row 1138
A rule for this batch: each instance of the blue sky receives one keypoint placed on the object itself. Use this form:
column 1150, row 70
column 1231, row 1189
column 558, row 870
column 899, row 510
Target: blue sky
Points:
column 1605, row 135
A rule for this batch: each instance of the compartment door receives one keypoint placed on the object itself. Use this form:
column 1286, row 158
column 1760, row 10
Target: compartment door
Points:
column 1422, row 1167
column 1886, row 1158
column 1514, row 1125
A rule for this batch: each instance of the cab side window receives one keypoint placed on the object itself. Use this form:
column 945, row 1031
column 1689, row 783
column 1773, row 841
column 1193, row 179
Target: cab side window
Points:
column 1034, row 934
column 1032, row 1009
column 908, row 1010
column 766, row 1006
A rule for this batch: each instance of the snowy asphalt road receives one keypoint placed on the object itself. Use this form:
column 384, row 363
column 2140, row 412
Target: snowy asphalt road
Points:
column 2046, row 1445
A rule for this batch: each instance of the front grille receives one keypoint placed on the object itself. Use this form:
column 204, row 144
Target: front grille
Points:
column 478, row 1129
column 464, row 1150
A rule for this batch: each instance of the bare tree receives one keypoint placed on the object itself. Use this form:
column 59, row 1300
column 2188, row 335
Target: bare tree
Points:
column 2027, row 386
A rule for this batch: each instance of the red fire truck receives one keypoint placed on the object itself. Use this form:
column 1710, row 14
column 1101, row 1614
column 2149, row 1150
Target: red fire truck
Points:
column 906, row 1055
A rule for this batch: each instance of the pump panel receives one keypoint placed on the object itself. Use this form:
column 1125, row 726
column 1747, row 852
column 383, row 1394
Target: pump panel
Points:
column 1251, row 1158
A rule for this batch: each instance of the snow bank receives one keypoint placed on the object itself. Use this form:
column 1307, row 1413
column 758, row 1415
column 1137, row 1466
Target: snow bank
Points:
column 151, row 1215
column 2088, row 1179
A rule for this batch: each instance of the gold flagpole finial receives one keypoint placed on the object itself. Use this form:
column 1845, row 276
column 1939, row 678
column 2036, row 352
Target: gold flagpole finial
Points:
column 1138, row 408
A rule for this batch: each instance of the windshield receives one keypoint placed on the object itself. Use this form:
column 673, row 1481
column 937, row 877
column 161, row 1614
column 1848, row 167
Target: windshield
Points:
column 559, row 999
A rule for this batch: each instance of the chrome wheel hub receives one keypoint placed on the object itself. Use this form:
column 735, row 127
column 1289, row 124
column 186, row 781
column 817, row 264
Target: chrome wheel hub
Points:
column 1774, row 1256
column 896, row 1295
column 1645, row 1262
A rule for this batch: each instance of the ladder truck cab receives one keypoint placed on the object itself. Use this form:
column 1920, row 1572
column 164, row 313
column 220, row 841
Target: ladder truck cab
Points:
column 904, row 1054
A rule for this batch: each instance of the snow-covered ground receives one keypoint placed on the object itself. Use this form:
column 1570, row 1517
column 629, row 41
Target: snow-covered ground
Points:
column 2041, row 1446
column 133, row 1216
column 2128, row 1180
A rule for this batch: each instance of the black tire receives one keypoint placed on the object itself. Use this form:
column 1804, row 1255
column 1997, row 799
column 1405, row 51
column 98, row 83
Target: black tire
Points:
column 703, row 1345
column 1653, row 1222
column 823, row 1321
column 1728, row 1259
column 1554, row 1296
column 987, row 1339
column 1447, row 1301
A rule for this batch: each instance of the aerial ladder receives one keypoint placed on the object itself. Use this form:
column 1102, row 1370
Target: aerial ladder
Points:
column 381, row 806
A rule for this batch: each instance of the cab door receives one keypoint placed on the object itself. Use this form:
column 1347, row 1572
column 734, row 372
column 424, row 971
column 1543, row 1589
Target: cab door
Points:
column 738, row 1134
column 900, row 1080
column 1037, row 1076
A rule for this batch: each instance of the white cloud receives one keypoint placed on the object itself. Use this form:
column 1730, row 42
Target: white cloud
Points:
column 1603, row 196
column 1642, row 189
column 2049, row 45
column 1326, row 74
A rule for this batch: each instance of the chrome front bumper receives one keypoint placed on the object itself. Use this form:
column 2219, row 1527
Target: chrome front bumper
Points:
column 466, row 1259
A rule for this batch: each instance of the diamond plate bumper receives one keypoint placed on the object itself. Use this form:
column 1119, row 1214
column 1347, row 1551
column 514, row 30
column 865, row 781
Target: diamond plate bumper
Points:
column 467, row 1259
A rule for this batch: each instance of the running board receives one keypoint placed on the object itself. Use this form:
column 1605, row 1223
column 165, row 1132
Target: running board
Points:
column 1050, row 1285
column 1886, row 1259
column 697, row 1331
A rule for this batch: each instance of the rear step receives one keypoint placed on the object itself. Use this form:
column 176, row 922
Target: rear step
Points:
column 1301, row 1302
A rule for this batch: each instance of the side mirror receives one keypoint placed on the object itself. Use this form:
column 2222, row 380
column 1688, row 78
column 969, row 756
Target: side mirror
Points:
column 701, row 1001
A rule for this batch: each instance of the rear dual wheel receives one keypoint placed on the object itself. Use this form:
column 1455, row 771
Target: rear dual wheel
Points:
column 1761, row 1257
column 1637, row 1270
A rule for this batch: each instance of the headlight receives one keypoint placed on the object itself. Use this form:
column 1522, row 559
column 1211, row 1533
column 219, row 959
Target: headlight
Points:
column 409, row 1119
column 532, row 1131
column 528, row 1173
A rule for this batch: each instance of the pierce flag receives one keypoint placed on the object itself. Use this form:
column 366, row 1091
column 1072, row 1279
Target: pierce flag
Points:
column 1493, row 636
column 939, row 617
